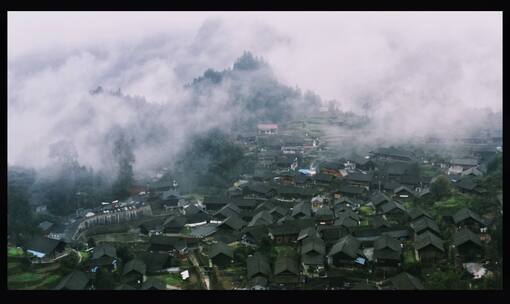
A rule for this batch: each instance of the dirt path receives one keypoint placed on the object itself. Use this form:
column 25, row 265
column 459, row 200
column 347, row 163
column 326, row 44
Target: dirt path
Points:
column 203, row 276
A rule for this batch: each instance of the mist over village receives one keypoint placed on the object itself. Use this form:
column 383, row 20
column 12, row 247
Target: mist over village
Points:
column 254, row 150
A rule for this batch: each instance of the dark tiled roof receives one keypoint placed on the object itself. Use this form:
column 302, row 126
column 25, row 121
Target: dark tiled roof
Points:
column 379, row 221
column 76, row 280
column 153, row 283
column 303, row 209
column 467, row 182
column 104, row 250
column 234, row 222
column 313, row 244
column 162, row 240
column 425, row 239
column 405, row 281
column 257, row 264
column 390, row 206
column 379, row 198
column 385, row 241
column 261, row 218
column 45, row 225
column 325, row 213
column 347, row 245
column 135, row 265
column 418, row 212
column 306, row 232
column 42, row 244
column 466, row 213
column 286, row 263
column 404, row 188
column 346, row 221
column 220, row 248
column 359, row 177
column 425, row 223
column 175, row 221
column 465, row 235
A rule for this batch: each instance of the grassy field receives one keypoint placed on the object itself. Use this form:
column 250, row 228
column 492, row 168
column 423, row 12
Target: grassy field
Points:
column 14, row 252
column 173, row 279
column 409, row 256
column 366, row 211
column 21, row 276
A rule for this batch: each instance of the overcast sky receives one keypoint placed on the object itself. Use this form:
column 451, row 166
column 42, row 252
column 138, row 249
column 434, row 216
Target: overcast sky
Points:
column 430, row 65
column 328, row 52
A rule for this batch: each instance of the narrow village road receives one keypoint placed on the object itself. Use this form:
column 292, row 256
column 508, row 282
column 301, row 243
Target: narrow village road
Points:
column 203, row 276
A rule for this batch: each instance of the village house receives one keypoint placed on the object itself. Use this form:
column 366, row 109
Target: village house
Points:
column 404, row 193
column 387, row 251
column 458, row 165
column 214, row 202
column 154, row 226
column 174, row 224
column 425, row 224
column 227, row 211
column 363, row 163
column 429, row 247
column 153, row 283
column 44, row 250
column 104, row 256
column 307, row 232
column 258, row 268
column 313, row 250
column 254, row 235
column 284, row 233
column 344, row 190
column 45, row 227
column 331, row 234
column 262, row 218
column 279, row 212
column 359, row 179
column 301, row 210
column 332, row 168
column 392, row 153
column 322, row 179
column 418, row 213
column 346, row 252
column 286, row 271
column 233, row 223
column 347, row 219
column 267, row 129
column 220, row 254
column 195, row 215
column 378, row 199
column 394, row 211
column 466, row 218
column 167, row 244
column 324, row 216
column 468, row 245
column 134, row 272
column 403, row 281
column 76, row 280
column 379, row 221
column 469, row 184
column 156, row 262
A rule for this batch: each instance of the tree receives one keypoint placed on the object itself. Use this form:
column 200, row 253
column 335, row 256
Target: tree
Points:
column 125, row 254
column 91, row 242
column 449, row 280
column 21, row 222
column 441, row 188
column 125, row 158
column 105, row 280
